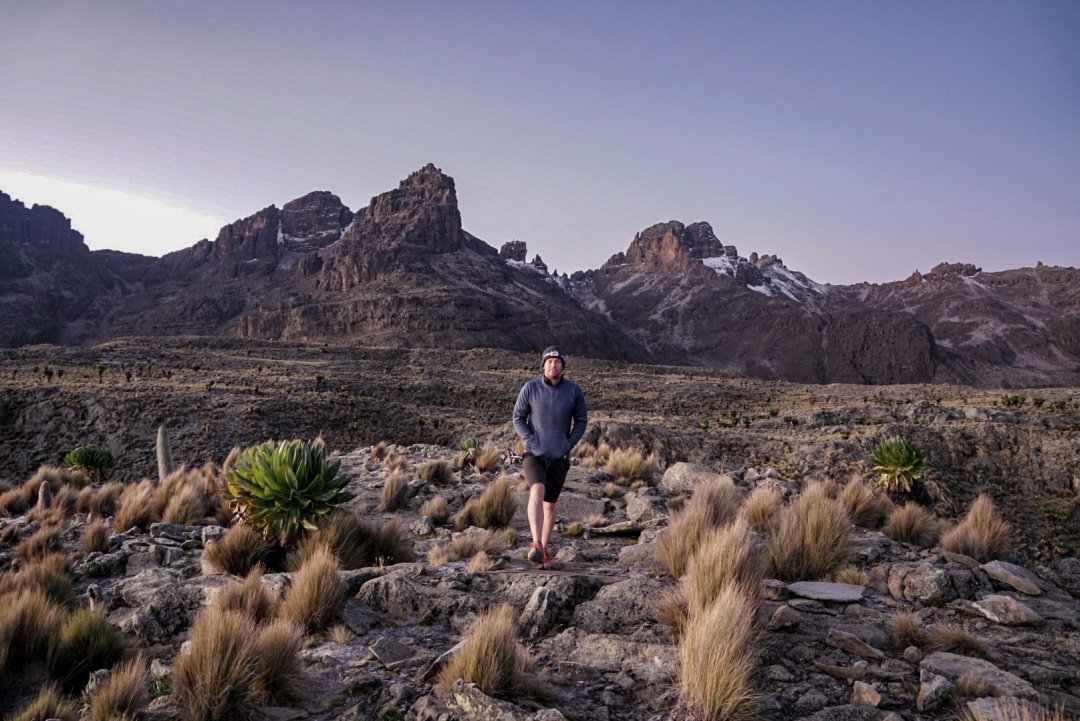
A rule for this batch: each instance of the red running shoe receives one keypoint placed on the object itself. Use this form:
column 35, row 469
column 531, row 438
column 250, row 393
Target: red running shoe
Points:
column 537, row 555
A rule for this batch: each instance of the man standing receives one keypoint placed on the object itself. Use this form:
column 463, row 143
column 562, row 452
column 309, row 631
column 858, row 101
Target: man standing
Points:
column 550, row 416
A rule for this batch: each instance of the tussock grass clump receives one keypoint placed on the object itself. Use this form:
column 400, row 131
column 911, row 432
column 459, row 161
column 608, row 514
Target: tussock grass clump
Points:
column 136, row 507
column 435, row 509
column 955, row 639
column 494, row 509
column 213, row 679
column 277, row 669
column 481, row 562
column 57, row 478
column 811, row 540
column 761, row 507
column 87, row 642
column 51, row 575
column 466, row 545
column 576, row 529
column 983, row 534
column 12, row 503
column 613, row 490
column 355, row 542
column 913, row 524
column 49, row 704
column 719, row 657
column 863, row 507
column 30, row 624
column 629, row 465
column 249, row 596
column 714, row 504
column 123, row 695
column 66, row 500
column 378, row 451
column 48, row 539
column 852, row 575
column 340, row 634
column 395, row 492
column 436, row 471
column 187, row 506
column 487, row 458
column 96, row 537
column 489, row 656
column 905, row 630
column 105, row 501
column 971, row 684
column 510, row 536
column 395, row 463
column 317, row 592
column 241, row 549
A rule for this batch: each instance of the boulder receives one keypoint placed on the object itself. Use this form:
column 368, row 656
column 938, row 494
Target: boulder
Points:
column 1007, row 611
column 620, row 607
column 934, row 691
column 650, row 663
column 863, row 694
column 467, row 701
column 928, row 584
column 682, row 477
column 640, row 558
column 1018, row 578
column 1001, row 683
column 1005, row 709
column 539, row 613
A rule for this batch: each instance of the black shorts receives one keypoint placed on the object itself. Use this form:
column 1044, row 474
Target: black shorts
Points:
column 552, row 473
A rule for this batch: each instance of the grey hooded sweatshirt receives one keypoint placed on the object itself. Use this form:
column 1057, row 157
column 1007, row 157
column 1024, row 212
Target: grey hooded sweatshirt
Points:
column 551, row 419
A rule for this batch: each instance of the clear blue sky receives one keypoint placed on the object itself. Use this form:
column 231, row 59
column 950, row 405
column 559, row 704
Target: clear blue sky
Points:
column 856, row 140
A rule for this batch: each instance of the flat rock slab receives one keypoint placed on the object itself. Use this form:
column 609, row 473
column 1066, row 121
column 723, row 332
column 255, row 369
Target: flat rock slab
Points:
column 1002, row 683
column 652, row 663
column 1004, row 709
column 578, row 507
column 825, row 591
column 393, row 654
column 1019, row 578
column 639, row 558
column 1007, row 611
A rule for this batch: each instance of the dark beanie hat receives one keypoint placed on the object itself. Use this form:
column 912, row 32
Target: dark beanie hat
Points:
column 552, row 351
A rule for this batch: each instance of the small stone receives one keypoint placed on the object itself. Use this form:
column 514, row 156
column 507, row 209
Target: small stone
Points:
column 1007, row 611
column 812, row 700
column 863, row 694
column 824, row 591
column 912, row 654
column 850, row 643
column 844, row 673
column 934, row 690
column 1019, row 578
column 777, row 673
column 784, row 617
column 774, row 590
column 393, row 654
column 423, row 526
column 539, row 613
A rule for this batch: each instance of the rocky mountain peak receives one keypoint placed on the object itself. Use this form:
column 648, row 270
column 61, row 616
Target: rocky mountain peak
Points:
column 671, row 245
column 313, row 221
column 515, row 250
column 422, row 212
column 248, row 244
column 40, row 226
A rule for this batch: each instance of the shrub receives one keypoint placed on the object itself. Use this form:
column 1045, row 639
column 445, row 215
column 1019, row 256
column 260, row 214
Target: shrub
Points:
column 629, row 465
column 719, row 657
column 863, row 507
column 714, row 504
column 494, row 509
column 213, row 679
column 87, row 642
column 898, row 463
column 51, row 575
column 761, row 506
column 852, row 575
column 812, row 538
column 913, row 524
column 487, row 458
column 249, row 596
column 905, row 630
column 489, row 655
column 92, row 460
column 283, row 489
column 45, row 541
column 96, row 537
column 355, row 542
column 317, row 592
column 277, row 669
column 395, row 492
column 123, row 695
column 239, row 551
column 49, row 704
column 435, row 509
column 437, row 471
column 30, row 624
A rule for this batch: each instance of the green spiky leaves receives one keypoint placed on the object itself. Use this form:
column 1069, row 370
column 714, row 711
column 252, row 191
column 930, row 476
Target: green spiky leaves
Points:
column 283, row 488
column 897, row 463
column 94, row 461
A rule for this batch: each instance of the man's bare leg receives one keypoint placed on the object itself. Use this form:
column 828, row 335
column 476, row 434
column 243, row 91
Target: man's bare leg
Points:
column 537, row 522
column 549, row 522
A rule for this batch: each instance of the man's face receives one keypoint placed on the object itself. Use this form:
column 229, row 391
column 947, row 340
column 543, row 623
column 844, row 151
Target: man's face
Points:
column 553, row 369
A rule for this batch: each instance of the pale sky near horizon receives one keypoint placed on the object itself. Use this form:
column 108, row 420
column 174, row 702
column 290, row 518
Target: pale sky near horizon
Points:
column 856, row 140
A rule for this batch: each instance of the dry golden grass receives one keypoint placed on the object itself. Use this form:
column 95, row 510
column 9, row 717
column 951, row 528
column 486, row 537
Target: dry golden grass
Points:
column 12, row 503
column 629, row 465
column 30, row 624
column 317, row 592
column 913, row 524
column 355, row 542
column 905, row 630
column 240, row 550
column 213, row 679
column 985, row 525
column 487, row 458
column 188, row 506
column 466, row 545
column 972, row 685
column 489, row 656
column 277, row 668
column 436, row 471
column 378, row 451
column 510, row 536
column 435, row 509
column 395, row 463
column 954, row 639
column 575, row 530
column 106, row 501
column 761, row 507
column 728, row 556
column 123, row 695
column 87, row 642
column 811, row 538
column 48, row 704
column 96, row 537
column 494, row 509
column 603, row 452
column 136, row 507
column 852, row 575
column 47, row 540
column 614, row 490
column 67, row 500
column 249, row 596
column 583, row 449
column 480, row 563
column 51, row 575
column 395, row 492
column 863, row 507
column 714, row 504
column 340, row 634
column 718, row 659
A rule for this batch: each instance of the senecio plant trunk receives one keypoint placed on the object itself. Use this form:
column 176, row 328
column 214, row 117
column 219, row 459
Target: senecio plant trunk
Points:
column 165, row 464
column 283, row 488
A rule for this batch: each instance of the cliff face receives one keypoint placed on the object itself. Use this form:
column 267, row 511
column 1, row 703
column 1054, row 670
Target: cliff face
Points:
column 402, row 272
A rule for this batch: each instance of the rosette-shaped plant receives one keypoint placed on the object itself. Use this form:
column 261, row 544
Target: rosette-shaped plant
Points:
column 283, row 488
column 94, row 461
column 897, row 463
